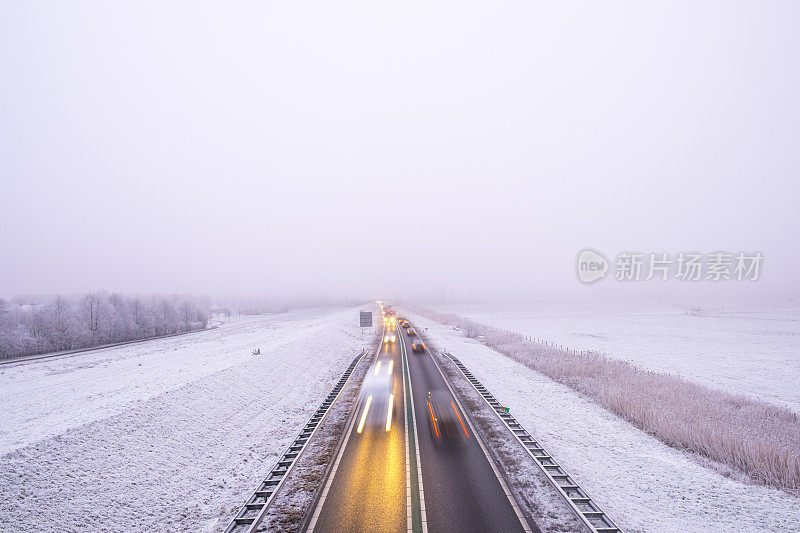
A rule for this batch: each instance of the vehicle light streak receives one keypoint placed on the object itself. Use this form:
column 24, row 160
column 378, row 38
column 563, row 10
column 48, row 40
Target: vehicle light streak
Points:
column 377, row 368
column 433, row 418
column 364, row 414
column 459, row 418
column 391, row 366
column 389, row 412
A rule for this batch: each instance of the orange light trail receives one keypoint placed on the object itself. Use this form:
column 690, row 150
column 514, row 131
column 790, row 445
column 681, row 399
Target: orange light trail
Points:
column 377, row 368
column 459, row 418
column 391, row 366
column 434, row 420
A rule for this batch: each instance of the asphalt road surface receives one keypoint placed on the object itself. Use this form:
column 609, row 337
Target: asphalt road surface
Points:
column 368, row 488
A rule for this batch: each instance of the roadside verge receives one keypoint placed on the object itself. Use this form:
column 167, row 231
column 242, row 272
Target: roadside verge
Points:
column 532, row 490
column 290, row 510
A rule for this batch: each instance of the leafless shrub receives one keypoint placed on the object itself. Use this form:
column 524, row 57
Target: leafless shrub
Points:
column 749, row 435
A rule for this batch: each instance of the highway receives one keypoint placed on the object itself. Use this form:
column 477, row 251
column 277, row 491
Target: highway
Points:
column 367, row 490
column 373, row 484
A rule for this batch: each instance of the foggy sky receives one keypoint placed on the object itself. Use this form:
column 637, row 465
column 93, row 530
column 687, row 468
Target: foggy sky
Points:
column 467, row 149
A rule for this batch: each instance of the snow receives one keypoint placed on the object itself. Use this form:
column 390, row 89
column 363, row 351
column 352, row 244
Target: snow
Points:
column 743, row 349
column 171, row 434
column 640, row 482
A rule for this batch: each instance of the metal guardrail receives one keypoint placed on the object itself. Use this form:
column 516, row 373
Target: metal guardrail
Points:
column 588, row 511
column 253, row 511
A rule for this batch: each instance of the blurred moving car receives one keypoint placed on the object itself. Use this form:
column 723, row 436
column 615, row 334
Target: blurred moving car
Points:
column 411, row 332
column 444, row 419
column 389, row 337
column 417, row 346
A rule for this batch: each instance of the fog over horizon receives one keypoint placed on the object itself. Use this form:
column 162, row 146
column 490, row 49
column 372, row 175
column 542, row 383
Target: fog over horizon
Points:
column 415, row 150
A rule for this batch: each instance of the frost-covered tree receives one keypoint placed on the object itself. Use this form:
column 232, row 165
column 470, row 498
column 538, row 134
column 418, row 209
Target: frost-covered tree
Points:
column 7, row 337
column 90, row 313
column 96, row 318
column 62, row 326
column 121, row 324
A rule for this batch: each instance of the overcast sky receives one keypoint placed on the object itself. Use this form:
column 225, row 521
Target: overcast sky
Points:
column 467, row 148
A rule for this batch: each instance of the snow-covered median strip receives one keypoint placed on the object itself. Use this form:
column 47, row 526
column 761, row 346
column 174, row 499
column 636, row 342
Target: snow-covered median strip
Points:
column 644, row 484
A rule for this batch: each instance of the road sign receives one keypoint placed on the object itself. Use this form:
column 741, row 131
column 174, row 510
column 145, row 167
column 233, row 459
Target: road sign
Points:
column 366, row 319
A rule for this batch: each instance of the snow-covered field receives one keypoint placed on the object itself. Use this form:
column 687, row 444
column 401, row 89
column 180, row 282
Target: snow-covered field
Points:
column 643, row 484
column 165, row 435
column 753, row 350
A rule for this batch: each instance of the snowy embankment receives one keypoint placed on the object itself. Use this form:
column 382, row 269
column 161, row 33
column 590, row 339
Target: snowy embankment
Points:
column 168, row 435
column 743, row 349
column 642, row 483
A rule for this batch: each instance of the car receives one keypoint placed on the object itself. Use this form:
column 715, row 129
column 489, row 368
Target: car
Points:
column 411, row 332
column 389, row 337
column 406, row 324
column 417, row 346
column 444, row 419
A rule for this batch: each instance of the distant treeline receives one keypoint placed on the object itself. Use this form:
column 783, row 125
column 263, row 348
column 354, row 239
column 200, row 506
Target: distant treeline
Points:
column 260, row 304
column 67, row 323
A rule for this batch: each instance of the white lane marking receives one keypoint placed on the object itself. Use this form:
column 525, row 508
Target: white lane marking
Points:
column 329, row 482
column 409, row 509
column 423, row 515
column 514, row 505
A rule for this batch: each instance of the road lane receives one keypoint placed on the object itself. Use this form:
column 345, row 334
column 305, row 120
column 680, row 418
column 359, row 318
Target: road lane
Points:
column 368, row 488
column 368, row 491
column 462, row 492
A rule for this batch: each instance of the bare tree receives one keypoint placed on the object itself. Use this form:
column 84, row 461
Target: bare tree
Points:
column 96, row 318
